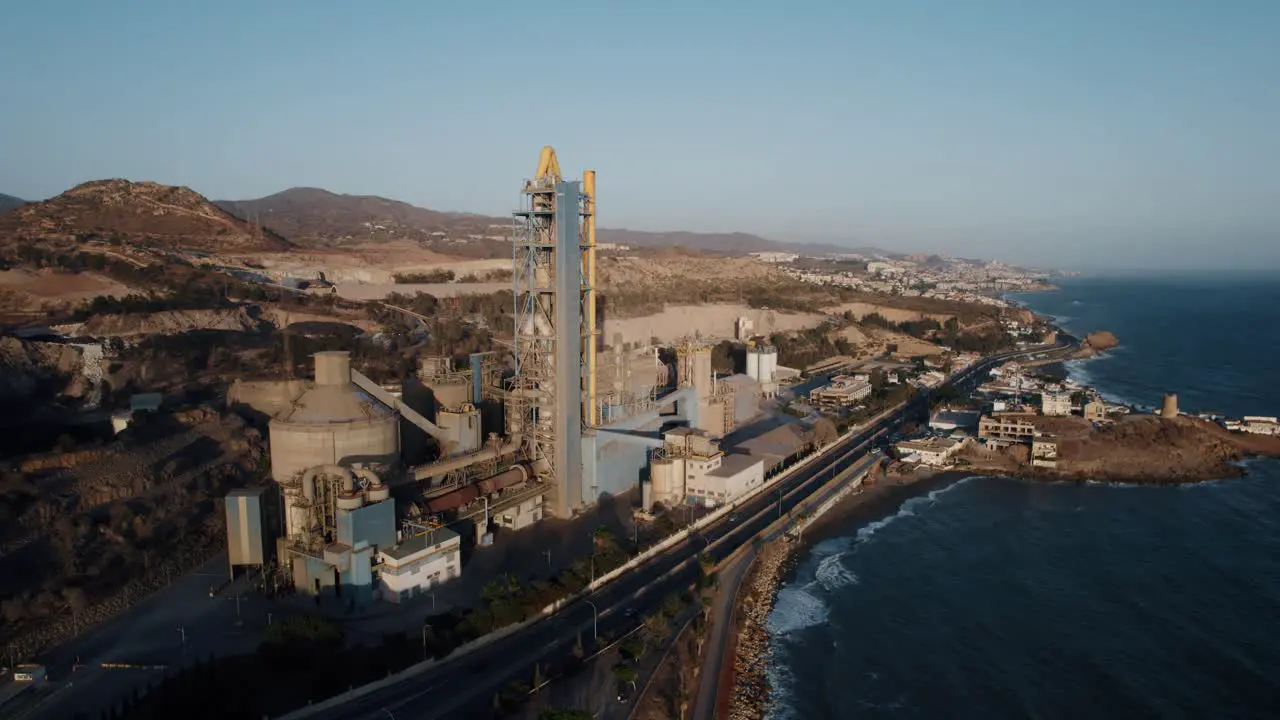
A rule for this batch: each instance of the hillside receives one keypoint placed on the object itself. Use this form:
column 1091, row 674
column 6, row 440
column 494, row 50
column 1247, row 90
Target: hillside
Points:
column 312, row 217
column 9, row 202
column 138, row 213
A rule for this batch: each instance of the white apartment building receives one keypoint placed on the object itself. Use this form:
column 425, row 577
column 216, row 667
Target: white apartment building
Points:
column 929, row 451
column 843, row 391
column 419, row 563
column 1055, row 404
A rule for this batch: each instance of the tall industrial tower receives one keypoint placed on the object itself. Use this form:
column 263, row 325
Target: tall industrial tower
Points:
column 552, row 397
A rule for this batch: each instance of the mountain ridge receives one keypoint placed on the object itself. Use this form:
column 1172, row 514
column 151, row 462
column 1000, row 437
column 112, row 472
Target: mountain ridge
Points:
column 314, row 216
column 10, row 202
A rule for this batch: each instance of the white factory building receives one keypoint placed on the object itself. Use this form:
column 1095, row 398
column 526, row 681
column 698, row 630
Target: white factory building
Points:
column 691, row 467
column 722, row 479
column 419, row 563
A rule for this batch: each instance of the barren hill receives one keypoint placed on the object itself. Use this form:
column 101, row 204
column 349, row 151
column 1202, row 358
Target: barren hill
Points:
column 318, row 218
column 9, row 202
column 141, row 213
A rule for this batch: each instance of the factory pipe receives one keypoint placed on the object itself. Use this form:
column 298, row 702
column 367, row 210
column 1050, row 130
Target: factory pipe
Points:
column 444, row 467
column 548, row 165
column 309, row 479
column 589, row 264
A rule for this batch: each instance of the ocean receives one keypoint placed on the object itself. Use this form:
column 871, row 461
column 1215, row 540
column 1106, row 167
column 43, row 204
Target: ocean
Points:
column 1000, row 598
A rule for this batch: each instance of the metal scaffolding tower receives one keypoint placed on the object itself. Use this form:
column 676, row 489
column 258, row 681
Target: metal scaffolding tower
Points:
column 552, row 298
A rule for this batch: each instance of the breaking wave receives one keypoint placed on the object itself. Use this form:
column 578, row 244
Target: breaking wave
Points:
column 795, row 609
column 832, row 574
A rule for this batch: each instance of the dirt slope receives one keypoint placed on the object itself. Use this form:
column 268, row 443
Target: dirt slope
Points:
column 142, row 213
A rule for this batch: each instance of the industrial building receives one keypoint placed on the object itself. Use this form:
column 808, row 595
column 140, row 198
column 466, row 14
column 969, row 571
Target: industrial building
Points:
column 496, row 443
column 844, row 391
column 251, row 527
column 419, row 563
column 691, row 467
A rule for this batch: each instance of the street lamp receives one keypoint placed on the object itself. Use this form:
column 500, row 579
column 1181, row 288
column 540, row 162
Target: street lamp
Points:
column 595, row 620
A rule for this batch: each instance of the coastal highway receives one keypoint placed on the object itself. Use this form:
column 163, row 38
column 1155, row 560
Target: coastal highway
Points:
column 465, row 686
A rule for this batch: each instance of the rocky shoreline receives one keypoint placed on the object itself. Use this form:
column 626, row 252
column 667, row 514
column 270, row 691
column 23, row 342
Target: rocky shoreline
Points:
column 751, row 656
column 775, row 561
column 881, row 498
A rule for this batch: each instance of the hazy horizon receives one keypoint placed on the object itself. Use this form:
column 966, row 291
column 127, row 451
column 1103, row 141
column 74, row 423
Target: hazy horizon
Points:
column 1140, row 134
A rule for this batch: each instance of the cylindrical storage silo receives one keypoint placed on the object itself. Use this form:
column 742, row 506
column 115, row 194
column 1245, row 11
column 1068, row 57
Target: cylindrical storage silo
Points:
column 450, row 395
column 768, row 364
column 753, row 364
column 660, row 478
column 678, row 489
column 332, row 424
column 333, row 367
column 646, row 495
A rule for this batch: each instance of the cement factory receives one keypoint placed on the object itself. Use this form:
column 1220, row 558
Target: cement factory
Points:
column 545, row 432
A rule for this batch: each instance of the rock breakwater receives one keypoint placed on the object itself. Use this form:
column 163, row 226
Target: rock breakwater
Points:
column 755, row 602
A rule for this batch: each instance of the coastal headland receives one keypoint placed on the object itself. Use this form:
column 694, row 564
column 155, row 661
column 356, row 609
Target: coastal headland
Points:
column 1135, row 449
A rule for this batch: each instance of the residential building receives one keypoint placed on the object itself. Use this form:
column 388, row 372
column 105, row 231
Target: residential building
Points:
column 1044, row 451
column 1006, row 429
column 1055, row 403
column 843, row 391
column 929, row 451
column 1260, row 425
column 955, row 420
column 417, row 564
column 1095, row 410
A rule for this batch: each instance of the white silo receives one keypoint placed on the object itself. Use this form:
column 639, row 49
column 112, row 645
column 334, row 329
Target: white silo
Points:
column 753, row 363
column 768, row 364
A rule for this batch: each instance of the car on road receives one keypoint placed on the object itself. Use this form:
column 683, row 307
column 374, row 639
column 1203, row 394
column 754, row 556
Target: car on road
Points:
column 625, row 691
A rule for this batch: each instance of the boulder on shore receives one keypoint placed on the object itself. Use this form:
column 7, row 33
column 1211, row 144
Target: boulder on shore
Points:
column 1097, row 342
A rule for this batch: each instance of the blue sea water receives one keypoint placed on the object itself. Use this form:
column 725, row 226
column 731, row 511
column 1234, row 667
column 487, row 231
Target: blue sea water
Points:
column 998, row 598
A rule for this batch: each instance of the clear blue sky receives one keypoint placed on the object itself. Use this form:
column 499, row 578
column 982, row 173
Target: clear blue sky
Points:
column 1083, row 132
